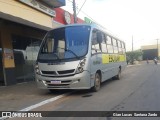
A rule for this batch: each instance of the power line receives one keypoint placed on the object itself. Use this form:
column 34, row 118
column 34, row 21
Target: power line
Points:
column 81, row 7
column 72, row 4
column 90, row 17
column 84, row 12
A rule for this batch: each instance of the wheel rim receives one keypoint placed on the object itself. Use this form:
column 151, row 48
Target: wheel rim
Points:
column 119, row 74
column 97, row 82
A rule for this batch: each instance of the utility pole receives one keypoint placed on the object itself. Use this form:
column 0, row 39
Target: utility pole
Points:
column 74, row 12
column 157, row 49
column 132, row 43
column 132, row 59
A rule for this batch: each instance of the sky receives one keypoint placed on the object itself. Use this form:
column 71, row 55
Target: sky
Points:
column 127, row 19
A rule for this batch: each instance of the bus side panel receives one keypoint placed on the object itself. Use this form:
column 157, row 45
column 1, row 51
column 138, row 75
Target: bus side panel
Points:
column 108, row 67
column 111, row 65
column 108, row 72
column 95, row 65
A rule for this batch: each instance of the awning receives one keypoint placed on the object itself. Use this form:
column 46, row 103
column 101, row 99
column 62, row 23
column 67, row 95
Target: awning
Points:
column 22, row 21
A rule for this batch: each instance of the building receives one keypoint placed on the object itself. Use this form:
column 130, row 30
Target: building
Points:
column 23, row 24
column 64, row 17
column 150, row 52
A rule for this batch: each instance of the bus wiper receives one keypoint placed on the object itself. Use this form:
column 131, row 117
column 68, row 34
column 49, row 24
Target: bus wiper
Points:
column 70, row 52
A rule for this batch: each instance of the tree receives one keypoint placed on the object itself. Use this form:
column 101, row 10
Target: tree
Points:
column 133, row 55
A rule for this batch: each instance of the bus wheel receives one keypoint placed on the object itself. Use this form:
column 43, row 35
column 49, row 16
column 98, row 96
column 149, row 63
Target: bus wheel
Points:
column 97, row 83
column 118, row 77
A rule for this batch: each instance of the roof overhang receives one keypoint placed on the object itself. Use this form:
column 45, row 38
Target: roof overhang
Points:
column 22, row 21
column 54, row 3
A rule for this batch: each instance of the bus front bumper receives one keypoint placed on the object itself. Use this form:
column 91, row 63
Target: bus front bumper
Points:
column 77, row 81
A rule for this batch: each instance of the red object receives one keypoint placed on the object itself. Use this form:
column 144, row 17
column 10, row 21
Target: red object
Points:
column 60, row 17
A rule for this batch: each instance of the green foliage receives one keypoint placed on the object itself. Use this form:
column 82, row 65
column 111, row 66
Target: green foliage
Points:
column 135, row 55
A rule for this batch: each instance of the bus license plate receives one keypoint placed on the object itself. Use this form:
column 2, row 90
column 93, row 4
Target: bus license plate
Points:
column 55, row 82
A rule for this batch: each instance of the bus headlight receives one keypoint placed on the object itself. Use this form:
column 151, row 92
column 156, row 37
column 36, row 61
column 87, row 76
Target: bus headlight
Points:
column 81, row 66
column 37, row 69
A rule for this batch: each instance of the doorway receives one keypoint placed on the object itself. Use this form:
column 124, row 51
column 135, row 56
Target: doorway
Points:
column 25, row 51
column 2, row 83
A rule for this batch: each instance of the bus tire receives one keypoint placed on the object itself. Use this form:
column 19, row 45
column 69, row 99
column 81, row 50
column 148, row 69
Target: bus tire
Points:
column 118, row 76
column 97, row 82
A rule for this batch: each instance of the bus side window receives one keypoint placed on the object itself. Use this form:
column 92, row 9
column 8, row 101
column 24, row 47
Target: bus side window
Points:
column 109, row 44
column 120, row 47
column 49, row 45
column 115, row 45
column 123, row 47
column 104, row 44
column 95, row 44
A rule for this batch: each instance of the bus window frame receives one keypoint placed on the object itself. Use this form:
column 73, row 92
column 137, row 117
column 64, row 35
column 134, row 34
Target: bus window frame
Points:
column 115, row 46
column 104, row 43
column 110, row 44
column 97, row 42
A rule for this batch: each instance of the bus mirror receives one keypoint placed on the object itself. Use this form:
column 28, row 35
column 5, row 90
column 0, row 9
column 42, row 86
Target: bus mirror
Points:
column 99, row 37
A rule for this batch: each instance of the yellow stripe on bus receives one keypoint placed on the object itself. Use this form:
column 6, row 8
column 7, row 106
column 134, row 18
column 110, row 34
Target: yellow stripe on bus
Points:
column 105, row 58
column 108, row 58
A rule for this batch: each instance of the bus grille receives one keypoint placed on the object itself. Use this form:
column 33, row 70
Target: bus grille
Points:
column 58, row 73
column 66, row 71
column 48, row 72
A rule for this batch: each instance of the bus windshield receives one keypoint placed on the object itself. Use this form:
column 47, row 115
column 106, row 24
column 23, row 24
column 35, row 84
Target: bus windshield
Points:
column 65, row 43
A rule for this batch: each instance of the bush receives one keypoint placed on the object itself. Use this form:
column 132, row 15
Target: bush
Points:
column 134, row 55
